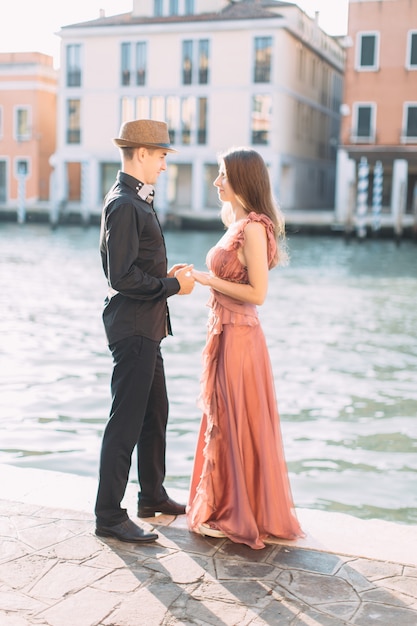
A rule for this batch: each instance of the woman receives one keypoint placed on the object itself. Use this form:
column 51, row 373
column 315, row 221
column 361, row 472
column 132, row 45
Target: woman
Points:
column 239, row 487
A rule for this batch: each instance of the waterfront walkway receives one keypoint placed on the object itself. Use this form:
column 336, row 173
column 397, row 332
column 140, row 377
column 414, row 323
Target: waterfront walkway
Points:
column 55, row 572
column 322, row 221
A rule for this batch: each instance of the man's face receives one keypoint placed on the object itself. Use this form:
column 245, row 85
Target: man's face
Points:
column 154, row 162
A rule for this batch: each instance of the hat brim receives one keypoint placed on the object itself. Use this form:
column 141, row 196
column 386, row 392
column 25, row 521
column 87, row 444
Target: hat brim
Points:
column 123, row 143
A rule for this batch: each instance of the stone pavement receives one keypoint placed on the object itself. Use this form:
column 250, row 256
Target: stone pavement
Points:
column 55, row 572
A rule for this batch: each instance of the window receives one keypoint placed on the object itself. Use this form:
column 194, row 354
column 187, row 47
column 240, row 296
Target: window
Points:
column 134, row 108
column 301, row 62
column 157, row 8
column 141, row 63
column 410, row 122
column 203, row 61
column 127, row 109
column 173, row 116
column 308, row 134
column 364, row 122
column 202, row 121
column 74, row 65
column 261, row 119
column 187, row 62
column 126, row 64
column 313, row 71
column 262, row 69
column 142, row 108
column 133, row 69
column 367, row 58
column 321, row 144
column 73, row 177
column 158, row 108
column 173, row 7
column 22, row 124
column 73, row 121
column 195, row 70
column 337, row 92
column 324, row 86
column 22, row 167
column 187, row 119
column 189, row 7
column 367, row 50
column 363, row 125
column 108, row 172
column 411, row 62
column 298, row 119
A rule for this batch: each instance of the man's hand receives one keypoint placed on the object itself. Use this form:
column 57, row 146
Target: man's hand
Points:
column 185, row 279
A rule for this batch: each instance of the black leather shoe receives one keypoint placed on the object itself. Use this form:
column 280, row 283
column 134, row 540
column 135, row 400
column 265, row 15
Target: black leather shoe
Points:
column 167, row 507
column 126, row 531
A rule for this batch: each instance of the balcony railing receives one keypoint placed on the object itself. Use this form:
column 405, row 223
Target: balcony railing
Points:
column 74, row 78
column 74, row 136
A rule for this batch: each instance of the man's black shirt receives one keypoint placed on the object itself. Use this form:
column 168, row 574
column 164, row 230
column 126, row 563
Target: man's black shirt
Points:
column 133, row 254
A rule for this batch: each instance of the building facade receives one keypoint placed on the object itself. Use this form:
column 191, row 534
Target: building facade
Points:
column 221, row 74
column 379, row 123
column 28, row 92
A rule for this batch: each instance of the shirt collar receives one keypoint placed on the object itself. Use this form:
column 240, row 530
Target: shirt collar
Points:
column 144, row 191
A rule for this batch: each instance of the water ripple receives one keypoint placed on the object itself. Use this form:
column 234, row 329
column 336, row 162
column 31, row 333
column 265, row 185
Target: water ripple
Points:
column 340, row 323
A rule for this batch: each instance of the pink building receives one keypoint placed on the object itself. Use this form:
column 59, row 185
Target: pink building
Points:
column 379, row 123
column 28, row 92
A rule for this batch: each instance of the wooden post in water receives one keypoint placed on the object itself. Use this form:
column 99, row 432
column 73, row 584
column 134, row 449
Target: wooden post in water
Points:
column 22, row 172
column 398, row 196
column 415, row 211
column 377, row 197
column 350, row 210
column 362, row 198
column 398, row 225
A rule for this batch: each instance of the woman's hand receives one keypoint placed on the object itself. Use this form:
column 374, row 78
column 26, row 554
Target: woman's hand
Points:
column 174, row 268
column 202, row 277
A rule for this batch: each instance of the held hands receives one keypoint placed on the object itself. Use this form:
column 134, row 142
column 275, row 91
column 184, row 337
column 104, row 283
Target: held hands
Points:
column 202, row 277
column 185, row 278
column 174, row 268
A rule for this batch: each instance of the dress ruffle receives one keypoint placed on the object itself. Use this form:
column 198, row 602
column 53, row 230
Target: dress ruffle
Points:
column 269, row 227
column 223, row 310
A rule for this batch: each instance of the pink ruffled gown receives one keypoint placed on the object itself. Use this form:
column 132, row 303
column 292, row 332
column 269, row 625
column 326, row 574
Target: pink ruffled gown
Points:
column 239, row 478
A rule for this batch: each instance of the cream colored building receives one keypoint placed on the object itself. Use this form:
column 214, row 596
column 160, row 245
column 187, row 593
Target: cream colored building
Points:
column 260, row 74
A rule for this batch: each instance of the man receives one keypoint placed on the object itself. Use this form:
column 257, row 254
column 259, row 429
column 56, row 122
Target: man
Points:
column 136, row 318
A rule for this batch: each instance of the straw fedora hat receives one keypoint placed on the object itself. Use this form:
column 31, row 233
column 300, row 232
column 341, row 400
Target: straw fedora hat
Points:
column 146, row 133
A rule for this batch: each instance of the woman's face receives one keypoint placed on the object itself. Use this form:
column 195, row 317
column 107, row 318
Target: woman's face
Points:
column 224, row 189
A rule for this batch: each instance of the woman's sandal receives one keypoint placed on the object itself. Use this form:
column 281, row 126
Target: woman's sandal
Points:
column 208, row 529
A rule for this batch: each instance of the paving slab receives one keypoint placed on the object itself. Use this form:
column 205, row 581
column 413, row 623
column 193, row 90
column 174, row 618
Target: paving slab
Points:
column 54, row 571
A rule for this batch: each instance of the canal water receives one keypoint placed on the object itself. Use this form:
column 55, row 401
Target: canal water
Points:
column 341, row 325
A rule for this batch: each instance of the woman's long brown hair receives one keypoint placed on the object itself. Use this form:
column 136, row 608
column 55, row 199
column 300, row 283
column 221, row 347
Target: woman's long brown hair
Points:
column 249, row 178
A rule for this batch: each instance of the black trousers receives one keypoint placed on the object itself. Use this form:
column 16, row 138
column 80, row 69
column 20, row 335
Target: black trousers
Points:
column 138, row 417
